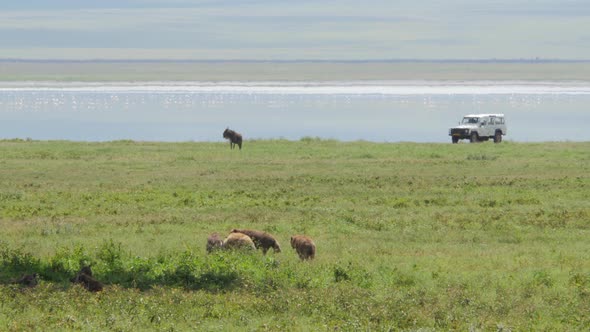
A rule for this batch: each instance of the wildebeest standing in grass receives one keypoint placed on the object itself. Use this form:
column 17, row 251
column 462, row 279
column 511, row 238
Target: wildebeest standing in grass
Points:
column 261, row 239
column 233, row 137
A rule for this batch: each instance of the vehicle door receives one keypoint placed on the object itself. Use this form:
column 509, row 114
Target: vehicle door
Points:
column 485, row 125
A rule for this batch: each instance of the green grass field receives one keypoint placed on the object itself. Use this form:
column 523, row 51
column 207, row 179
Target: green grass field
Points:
column 480, row 237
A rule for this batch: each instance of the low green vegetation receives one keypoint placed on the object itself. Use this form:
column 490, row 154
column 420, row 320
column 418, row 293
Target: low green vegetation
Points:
column 409, row 236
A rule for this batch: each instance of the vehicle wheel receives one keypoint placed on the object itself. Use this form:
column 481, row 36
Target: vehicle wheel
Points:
column 498, row 137
column 455, row 140
column 473, row 138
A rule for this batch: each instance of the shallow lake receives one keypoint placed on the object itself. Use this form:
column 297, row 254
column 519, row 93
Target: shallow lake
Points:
column 374, row 111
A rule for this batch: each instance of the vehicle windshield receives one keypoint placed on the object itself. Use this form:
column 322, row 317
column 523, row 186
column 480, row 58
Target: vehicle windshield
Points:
column 467, row 120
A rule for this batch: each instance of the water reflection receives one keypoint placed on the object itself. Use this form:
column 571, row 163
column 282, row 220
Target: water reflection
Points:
column 200, row 112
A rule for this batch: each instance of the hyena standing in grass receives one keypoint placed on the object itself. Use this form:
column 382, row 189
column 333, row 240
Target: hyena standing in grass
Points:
column 261, row 239
column 304, row 246
column 233, row 137
column 214, row 241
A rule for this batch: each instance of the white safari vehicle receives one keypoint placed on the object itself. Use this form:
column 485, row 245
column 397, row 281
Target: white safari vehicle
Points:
column 479, row 127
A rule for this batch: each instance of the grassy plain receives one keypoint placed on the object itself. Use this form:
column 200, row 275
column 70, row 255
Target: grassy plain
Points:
column 65, row 71
column 409, row 236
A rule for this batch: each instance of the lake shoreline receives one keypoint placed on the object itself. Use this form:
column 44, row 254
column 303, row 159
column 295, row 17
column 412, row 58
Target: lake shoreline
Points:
column 351, row 88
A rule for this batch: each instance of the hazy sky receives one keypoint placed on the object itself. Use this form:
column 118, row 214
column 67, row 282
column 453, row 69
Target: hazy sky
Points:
column 287, row 30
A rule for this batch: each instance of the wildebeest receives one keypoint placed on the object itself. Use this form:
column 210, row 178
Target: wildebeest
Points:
column 233, row 137
column 261, row 239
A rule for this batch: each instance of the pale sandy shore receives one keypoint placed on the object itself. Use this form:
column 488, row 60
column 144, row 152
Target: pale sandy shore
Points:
column 214, row 71
column 283, row 88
